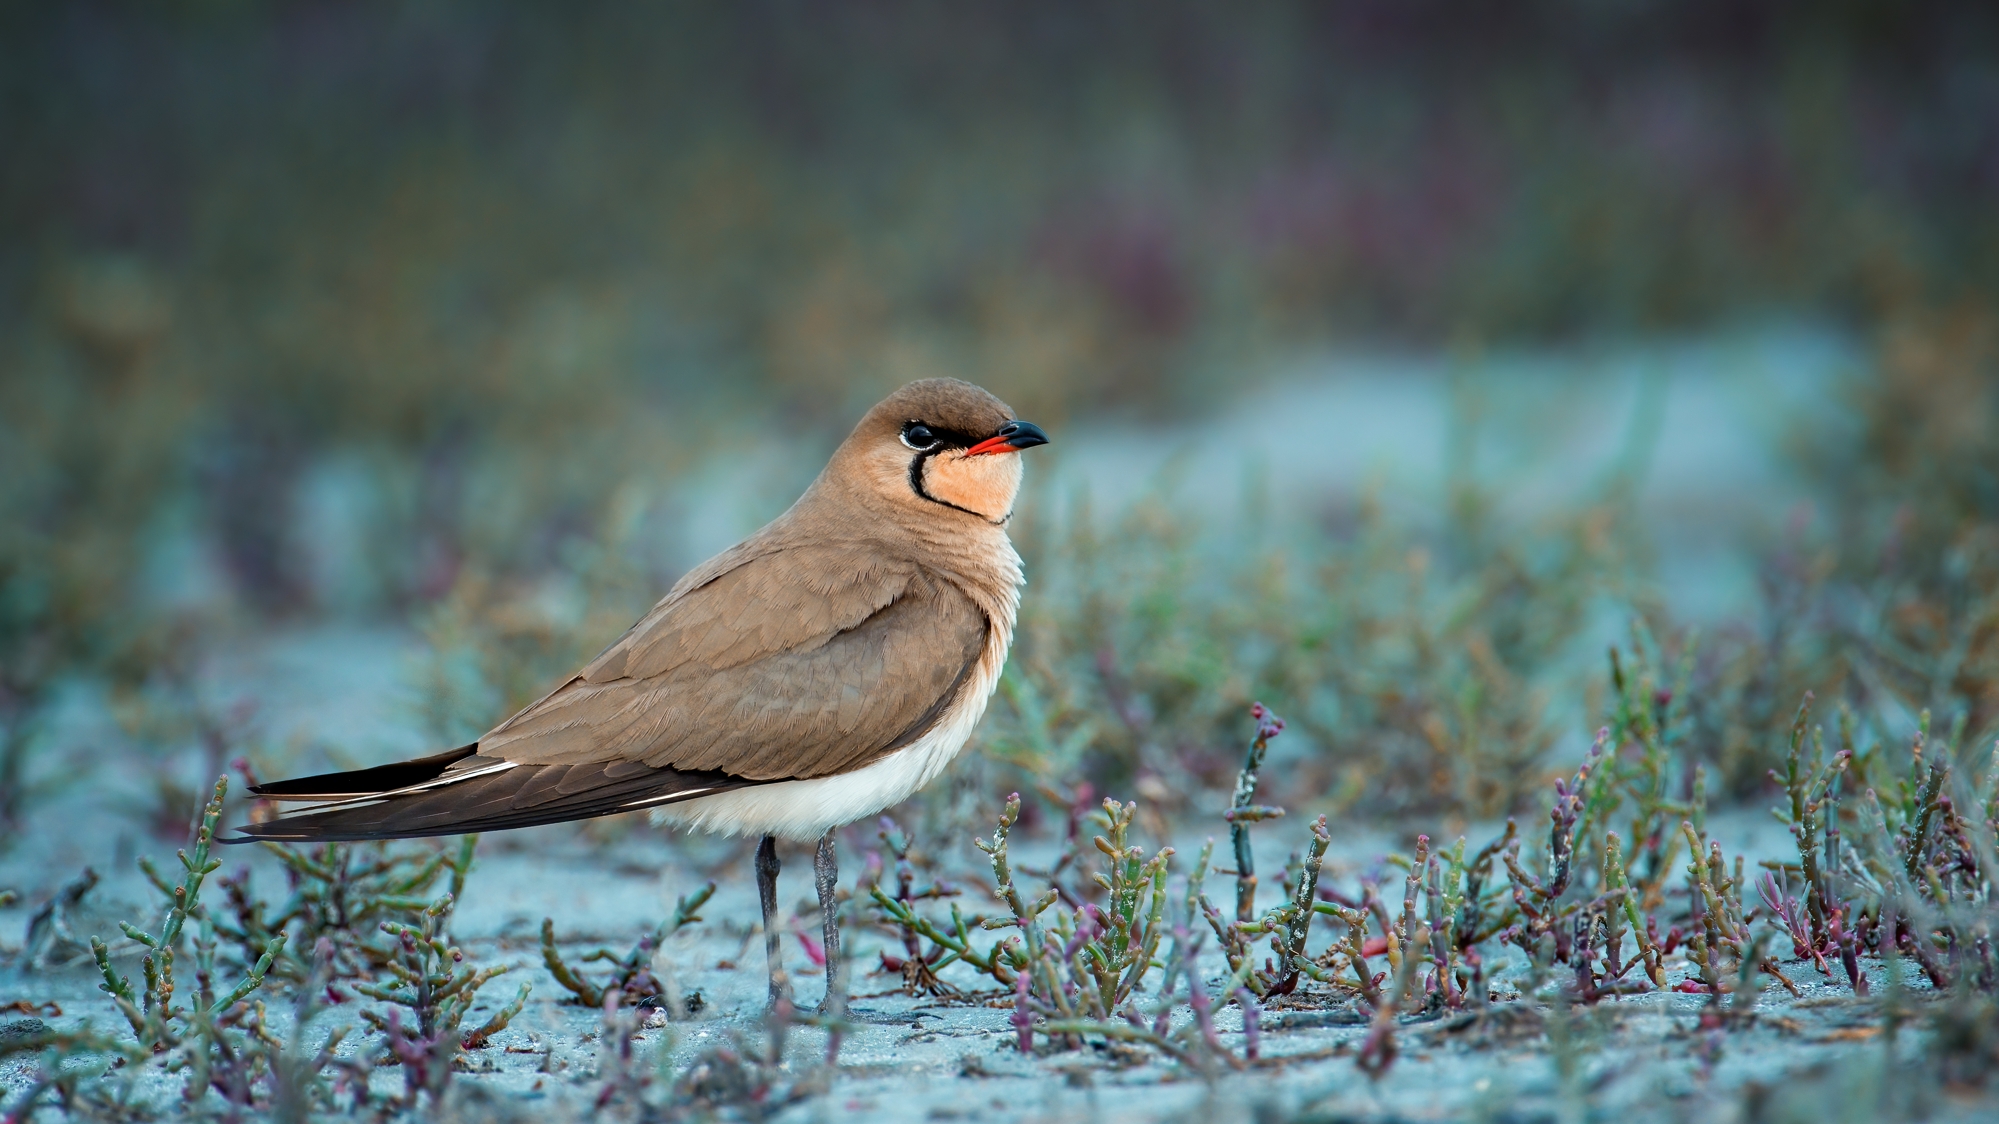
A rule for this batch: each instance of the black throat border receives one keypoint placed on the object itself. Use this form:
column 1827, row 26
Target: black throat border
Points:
column 916, row 485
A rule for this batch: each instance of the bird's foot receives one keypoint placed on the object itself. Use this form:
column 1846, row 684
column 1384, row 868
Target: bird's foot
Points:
column 779, row 1001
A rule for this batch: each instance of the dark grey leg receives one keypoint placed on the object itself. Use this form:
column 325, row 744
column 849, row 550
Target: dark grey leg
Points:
column 826, row 876
column 767, row 892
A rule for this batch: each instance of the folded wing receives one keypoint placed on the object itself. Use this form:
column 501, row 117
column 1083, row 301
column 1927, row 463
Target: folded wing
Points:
column 737, row 679
column 790, row 665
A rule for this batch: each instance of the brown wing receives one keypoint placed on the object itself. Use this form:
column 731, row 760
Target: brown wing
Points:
column 800, row 663
column 790, row 664
column 473, row 793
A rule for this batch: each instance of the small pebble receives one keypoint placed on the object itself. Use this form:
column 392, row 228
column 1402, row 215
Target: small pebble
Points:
column 22, row 1028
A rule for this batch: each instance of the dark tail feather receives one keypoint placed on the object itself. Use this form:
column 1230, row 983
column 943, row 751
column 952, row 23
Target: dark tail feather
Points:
column 491, row 795
column 365, row 782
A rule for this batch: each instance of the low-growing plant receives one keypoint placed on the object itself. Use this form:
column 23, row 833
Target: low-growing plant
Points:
column 631, row 977
column 1076, row 965
column 341, row 892
column 1073, row 971
column 737, row 1078
column 222, row 1042
column 1581, row 922
column 1288, row 925
column 157, row 1022
column 219, row 1043
column 1077, row 975
column 1902, row 871
column 918, row 967
column 83, row 1071
column 437, row 988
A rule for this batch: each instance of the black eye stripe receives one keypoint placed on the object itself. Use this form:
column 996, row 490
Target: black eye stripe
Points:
column 942, row 437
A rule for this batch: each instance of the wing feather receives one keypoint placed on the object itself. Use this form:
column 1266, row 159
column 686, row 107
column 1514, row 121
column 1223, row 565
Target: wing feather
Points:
column 797, row 663
column 522, row 796
column 791, row 663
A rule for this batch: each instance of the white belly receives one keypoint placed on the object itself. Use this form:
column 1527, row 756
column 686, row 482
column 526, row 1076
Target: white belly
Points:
column 806, row 810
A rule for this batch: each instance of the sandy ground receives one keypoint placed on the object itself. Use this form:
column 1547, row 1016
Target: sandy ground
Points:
column 914, row 1058
column 1820, row 1056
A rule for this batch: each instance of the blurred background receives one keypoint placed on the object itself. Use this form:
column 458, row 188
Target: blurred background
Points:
column 364, row 366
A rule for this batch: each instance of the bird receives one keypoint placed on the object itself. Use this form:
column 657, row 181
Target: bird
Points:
column 814, row 674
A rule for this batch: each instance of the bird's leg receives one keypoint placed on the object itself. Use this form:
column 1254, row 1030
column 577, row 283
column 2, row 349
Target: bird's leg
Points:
column 826, row 876
column 767, row 892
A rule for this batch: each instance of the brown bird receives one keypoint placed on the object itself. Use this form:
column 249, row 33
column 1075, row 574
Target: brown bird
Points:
column 815, row 673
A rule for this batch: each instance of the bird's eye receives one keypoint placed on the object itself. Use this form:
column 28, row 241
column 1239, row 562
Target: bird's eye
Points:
column 917, row 436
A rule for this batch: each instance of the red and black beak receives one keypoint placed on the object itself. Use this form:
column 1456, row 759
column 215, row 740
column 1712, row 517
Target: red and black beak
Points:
column 1011, row 438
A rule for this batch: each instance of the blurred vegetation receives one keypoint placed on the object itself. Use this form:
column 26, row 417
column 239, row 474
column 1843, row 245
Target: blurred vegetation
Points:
column 1420, row 667
column 511, row 267
column 1433, row 667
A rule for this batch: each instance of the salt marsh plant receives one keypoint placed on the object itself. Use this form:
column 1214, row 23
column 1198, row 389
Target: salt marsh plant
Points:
column 631, row 977
column 1074, row 966
column 738, row 1078
column 1898, row 870
column 221, row 1041
column 213, row 1038
column 1079, row 954
column 431, row 985
column 1087, row 956
column 343, row 893
column 1563, row 916
column 157, row 1022
column 1417, row 674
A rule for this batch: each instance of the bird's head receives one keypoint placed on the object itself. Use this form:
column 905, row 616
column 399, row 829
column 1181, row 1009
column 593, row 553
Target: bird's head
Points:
column 941, row 445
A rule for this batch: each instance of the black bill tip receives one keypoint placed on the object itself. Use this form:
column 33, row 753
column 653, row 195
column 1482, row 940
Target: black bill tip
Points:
column 1011, row 438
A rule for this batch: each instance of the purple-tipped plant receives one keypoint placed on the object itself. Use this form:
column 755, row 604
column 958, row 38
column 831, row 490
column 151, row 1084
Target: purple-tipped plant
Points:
column 1791, row 913
column 953, row 942
column 437, row 987
column 1243, row 811
column 1811, row 785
